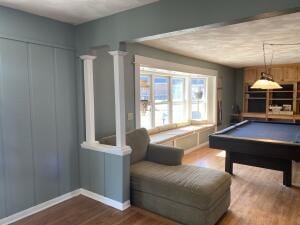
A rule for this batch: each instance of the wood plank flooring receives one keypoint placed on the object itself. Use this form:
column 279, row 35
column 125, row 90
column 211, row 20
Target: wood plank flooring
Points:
column 258, row 198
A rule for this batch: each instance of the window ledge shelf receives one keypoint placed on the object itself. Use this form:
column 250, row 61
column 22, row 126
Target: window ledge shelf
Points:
column 109, row 149
column 174, row 133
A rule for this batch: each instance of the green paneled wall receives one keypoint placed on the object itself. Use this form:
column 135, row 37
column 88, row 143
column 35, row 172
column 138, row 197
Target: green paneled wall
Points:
column 23, row 26
column 39, row 151
column 105, row 174
column 39, row 142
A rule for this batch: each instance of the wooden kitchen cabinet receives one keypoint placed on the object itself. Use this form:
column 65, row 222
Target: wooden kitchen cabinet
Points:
column 290, row 73
column 277, row 73
column 250, row 75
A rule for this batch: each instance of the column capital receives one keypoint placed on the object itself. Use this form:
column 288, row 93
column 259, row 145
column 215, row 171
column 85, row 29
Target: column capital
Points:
column 118, row 52
column 90, row 57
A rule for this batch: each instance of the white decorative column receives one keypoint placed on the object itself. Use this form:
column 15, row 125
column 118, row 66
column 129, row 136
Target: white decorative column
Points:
column 89, row 99
column 118, row 57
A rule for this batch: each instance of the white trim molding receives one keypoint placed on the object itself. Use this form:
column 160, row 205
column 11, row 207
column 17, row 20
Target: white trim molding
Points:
column 45, row 205
column 156, row 67
column 107, row 201
column 167, row 65
column 113, row 150
column 89, row 98
column 35, row 209
column 119, row 81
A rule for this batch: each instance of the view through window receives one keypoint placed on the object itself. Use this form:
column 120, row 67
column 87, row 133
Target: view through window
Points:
column 171, row 97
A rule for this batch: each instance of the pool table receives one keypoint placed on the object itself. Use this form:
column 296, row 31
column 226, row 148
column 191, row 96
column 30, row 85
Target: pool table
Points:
column 268, row 145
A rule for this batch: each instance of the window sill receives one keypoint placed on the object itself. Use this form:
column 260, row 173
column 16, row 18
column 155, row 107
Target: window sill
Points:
column 171, row 134
column 113, row 150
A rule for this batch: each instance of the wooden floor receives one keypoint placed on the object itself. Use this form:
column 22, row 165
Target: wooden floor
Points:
column 258, row 198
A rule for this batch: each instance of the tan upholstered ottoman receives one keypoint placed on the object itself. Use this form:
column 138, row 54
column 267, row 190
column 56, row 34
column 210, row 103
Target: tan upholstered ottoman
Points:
column 187, row 194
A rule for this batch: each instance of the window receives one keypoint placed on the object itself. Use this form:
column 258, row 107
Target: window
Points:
column 178, row 100
column 170, row 97
column 161, row 101
column 145, row 99
column 198, row 89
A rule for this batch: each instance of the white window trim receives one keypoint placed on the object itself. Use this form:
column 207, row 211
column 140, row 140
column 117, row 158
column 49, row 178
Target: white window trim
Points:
column 167, row 65
column 170, row 102
column 206, row 96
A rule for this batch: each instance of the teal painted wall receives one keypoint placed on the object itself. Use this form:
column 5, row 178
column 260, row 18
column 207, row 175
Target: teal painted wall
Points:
column 23, row 26
column 168, row 16
column 104, row 86
column 39, row 151
column 105, row 174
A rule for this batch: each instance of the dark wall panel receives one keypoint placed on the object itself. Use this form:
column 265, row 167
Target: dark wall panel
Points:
column 16, row 127
column 67, row 127
column 41, row 72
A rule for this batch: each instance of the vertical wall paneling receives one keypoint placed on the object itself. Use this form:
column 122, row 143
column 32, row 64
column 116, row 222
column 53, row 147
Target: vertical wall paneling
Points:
column 66, row 108
column 39, row 152
column 41, row 67
column 84, row 169
column 113, row 177
column 96, row 171
column 15, row 111
column 2, row 180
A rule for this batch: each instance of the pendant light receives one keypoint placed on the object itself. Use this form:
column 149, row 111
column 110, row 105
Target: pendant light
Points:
column 266, row 81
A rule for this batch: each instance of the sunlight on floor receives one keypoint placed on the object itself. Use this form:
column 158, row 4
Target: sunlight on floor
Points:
column 221, row 154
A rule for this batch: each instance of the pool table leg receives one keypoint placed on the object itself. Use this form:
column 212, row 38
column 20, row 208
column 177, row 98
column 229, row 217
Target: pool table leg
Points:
column 228, row 163
column 287, row 174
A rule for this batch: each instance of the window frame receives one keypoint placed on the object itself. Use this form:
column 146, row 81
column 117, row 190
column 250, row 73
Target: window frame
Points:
column 183, row 102
column 187, row 99
column 205, row 101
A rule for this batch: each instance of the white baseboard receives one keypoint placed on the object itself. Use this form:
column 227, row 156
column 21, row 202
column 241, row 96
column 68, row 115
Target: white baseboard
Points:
column 107, row 201
column 35, row 209
column 205, row 144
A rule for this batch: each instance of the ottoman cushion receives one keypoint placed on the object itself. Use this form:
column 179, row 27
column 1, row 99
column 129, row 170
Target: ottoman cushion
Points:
column 188, row 185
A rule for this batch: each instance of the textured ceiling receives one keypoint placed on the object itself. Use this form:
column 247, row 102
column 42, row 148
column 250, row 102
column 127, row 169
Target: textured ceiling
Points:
column 239, row 45
column 74, row 11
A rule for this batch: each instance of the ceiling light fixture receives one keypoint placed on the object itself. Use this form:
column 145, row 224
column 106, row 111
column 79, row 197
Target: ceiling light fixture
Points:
column 266, row 79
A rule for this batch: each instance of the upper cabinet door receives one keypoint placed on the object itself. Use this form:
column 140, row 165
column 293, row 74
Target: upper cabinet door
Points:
column 290, row 73
column 259, row 71
column 250, row 75
column 277, row 73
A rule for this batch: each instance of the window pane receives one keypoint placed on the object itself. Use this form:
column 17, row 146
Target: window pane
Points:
column 145, row 87
column 146, row 117
column 145, row 97
column 161, row 89
column 198, row 89
column 161, row 114
column 179, row 113
column 199, row 110
column 178, row 89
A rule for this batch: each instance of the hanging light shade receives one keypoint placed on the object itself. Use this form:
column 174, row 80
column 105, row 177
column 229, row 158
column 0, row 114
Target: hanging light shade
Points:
column 265, row 82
